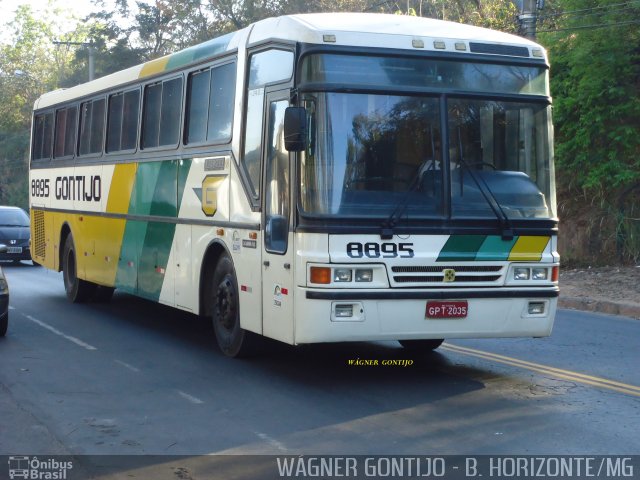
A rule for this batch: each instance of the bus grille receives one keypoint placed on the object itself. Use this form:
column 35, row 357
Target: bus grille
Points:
column 433, row 275
column 39, row 243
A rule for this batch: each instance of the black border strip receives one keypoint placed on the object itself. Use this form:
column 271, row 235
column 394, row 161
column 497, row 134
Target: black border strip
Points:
column 309, row 48
column 349, row 226
column 430, row 295
column 421, row 92
column 150, row 218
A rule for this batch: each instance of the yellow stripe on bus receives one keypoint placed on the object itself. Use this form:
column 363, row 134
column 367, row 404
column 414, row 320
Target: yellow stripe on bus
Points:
column 124, row 176
column 528, row 249
column 153, row 67
column 99, row 239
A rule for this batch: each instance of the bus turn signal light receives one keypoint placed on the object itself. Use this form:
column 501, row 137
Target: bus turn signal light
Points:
column 320, row 275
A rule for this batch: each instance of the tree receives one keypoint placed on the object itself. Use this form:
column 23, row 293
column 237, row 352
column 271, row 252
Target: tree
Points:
column 30, row 65
column 595, row 78
column 596, row 85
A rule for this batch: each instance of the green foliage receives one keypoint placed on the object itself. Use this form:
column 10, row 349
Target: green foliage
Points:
column 596, row 89
column 27, row 70
column 594, row 50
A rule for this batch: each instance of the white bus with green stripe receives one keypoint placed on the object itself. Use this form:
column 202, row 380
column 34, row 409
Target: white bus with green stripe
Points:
column 312, row 178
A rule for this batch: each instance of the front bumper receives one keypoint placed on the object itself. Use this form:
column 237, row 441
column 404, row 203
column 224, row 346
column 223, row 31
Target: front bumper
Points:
column 25, row 254
column 400, row 315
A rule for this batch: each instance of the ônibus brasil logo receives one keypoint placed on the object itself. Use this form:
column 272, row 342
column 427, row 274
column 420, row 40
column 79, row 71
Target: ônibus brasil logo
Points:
column 36, row 469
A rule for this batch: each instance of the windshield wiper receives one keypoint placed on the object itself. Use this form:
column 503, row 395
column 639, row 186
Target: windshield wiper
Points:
column 485, row 190
column 389, row 224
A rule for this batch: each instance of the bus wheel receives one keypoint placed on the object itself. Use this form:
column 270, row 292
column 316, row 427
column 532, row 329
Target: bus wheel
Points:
column 421, row 345
column 78, row 290
column 4, row 324
column 233, row 340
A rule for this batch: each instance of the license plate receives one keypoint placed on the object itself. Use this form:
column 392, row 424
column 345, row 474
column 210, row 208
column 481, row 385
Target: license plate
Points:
column 447, row 309
column 14, row 250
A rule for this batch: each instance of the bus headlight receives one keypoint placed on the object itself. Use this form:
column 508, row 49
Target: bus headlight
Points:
column 364, row 275
column 342, row 275
column 539, row 273
column 520, row 273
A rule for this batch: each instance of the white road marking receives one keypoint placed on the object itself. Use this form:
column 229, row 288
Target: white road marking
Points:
column 11, row 308
column 271, row 441
column 75, row 340
column 127, row 366
column 191, row 398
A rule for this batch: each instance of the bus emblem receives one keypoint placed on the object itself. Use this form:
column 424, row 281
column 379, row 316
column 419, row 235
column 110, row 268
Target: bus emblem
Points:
column 449, row 275
column 209, row 194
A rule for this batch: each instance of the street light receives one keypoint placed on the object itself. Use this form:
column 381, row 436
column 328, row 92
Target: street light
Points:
column 92, row 52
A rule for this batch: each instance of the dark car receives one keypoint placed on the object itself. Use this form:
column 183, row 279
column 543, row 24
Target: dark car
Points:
column 15, row 234
column 4, row 300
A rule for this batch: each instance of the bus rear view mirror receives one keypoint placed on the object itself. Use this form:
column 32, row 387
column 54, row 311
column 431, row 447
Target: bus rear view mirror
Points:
column 295, row 129
column 276, row 232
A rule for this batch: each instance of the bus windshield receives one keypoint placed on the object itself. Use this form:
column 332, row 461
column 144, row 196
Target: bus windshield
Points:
column 370, row 152
column 414, row 72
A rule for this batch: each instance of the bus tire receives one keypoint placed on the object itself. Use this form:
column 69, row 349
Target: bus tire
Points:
column 4, row 324
column 78, row 290
column 421, row 345
column 233, row 340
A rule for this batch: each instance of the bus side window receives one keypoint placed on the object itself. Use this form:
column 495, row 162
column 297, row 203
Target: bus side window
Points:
column 197, row 114
column 161, row 113
column 130, row 111
column 122, row 121
column 265, row 67
column 151, row 115
column 114, row 122
column 65, row 132
column 223, row 90
column 210, row 101
column 91, row 127
column 42, row 136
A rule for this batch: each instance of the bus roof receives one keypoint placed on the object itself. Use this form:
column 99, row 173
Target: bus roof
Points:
column 346, row 29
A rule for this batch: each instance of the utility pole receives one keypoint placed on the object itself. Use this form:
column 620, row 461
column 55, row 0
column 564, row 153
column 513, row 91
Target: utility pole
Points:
column 92, row 53
column 528, row 18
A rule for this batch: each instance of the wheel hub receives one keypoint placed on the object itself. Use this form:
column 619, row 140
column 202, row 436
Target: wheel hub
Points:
column 225, row 303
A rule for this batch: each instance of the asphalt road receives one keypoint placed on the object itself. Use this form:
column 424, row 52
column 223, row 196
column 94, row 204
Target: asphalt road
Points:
column 133, row 377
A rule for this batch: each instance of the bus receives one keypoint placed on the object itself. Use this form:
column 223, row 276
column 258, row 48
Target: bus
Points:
column 312, row 178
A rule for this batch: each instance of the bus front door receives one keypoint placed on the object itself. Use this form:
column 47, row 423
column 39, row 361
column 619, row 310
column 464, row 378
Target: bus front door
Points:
column 277, row 254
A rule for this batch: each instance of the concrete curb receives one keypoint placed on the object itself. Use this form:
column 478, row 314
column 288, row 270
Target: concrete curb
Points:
column 601, row 306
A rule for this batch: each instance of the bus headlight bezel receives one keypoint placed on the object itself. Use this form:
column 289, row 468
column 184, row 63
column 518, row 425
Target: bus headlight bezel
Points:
column 533, row 274
column 347, row 276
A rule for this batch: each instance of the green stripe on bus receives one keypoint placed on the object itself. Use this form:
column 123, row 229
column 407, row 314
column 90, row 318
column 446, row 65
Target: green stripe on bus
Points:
column 183, row 172
column 203, row 50
column 159, row 236
column 144, row 189
column 146, row 246
column 164, row 201
column 494, row 248
column 154, row 259
column 461, row 248
column 127, row 276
